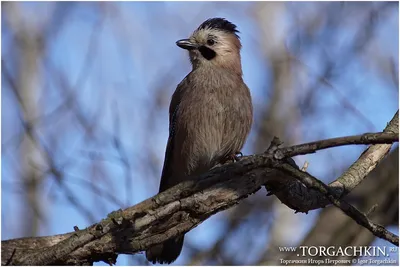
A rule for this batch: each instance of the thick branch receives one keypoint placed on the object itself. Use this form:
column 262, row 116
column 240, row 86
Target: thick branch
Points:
column 367, row 161
column 168, row 214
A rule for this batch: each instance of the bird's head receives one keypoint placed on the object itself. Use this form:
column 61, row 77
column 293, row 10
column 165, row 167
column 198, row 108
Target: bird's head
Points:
column 214, row 43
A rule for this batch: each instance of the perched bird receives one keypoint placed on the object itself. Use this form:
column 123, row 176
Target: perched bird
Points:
column 210, row 114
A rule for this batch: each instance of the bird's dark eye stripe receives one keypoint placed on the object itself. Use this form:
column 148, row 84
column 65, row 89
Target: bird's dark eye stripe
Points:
column 207, row 53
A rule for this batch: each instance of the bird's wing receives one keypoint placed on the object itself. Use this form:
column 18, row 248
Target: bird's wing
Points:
column 167, row 168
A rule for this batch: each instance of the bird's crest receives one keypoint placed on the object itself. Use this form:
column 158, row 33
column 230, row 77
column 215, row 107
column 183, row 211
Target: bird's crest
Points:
column 219, row 24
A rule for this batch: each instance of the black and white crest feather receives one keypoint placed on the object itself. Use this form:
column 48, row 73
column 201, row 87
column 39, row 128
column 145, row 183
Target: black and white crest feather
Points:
column 219, row 24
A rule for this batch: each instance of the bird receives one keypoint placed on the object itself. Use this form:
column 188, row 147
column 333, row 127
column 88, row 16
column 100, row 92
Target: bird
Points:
column 210, row 114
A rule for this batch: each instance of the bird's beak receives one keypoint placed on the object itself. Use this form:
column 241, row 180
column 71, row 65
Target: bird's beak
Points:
column 186, row 44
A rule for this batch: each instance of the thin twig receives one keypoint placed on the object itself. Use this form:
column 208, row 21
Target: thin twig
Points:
column 305, row 166
column 12, row 255
column 363, row 139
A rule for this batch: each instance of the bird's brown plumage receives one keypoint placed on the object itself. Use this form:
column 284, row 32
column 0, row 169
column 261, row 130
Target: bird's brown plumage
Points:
column 210, row 115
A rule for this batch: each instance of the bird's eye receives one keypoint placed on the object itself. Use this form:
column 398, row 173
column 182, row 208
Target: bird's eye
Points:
column 210, row 42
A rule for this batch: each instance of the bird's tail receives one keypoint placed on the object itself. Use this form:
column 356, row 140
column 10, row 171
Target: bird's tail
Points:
column 166, row 252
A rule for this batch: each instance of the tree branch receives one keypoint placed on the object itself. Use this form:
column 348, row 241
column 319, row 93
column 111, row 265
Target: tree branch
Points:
column 351, row 211
column 174, row 211
column 363, row 139
column 302, row 199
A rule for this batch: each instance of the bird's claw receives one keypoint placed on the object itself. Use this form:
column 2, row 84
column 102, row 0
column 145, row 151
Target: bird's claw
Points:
column 232, row 158
column 237, row 156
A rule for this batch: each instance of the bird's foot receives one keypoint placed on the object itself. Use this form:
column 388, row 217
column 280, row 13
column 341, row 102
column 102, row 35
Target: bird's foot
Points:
column 232, row 158
column 237, row 156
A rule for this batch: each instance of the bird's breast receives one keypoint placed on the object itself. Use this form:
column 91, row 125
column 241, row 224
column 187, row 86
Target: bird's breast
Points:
column 215, row 114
